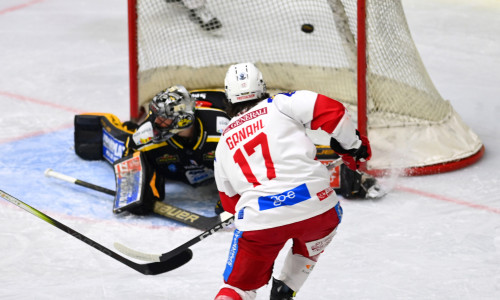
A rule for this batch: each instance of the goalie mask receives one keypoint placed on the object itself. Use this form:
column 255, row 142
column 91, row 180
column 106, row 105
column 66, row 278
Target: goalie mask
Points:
column 244, row 82
column 173, row 112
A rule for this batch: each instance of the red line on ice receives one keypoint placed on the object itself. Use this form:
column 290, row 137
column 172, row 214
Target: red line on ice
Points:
column 34, row 133
column 20, row 6
column 444, row 198
column 33, row 100
column 40, row 102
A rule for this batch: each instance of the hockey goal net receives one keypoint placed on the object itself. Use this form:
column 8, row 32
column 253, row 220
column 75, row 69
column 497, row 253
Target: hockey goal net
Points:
column 359, row 52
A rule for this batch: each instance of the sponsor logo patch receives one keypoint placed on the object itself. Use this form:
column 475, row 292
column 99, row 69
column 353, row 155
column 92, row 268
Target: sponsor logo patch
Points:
column 287, row 198
column 199, row 175
column 209, row 156
column 325, row 193
column 317, row 246
column 144, row 134
column 233, row 251
column 112, row 147
column 246, row 97
column 245, row 118
column 167, row 158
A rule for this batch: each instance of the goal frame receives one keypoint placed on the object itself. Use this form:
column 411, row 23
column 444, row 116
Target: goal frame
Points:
column 137, row 112
column 362, row 110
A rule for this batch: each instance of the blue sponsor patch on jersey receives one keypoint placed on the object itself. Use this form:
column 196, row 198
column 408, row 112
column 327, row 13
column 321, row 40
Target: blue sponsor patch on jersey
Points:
column 287, row 198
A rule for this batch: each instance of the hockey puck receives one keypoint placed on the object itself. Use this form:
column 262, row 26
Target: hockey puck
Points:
column 307, row 28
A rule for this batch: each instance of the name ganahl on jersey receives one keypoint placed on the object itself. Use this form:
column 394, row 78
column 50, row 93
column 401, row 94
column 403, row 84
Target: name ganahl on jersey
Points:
column 246, row 131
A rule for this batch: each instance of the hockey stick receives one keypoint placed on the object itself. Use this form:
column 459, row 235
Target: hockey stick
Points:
column 155, row 268
column 228, row 219
column 166, row 210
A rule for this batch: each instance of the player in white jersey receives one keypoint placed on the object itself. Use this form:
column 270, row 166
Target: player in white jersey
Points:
column 267, row 175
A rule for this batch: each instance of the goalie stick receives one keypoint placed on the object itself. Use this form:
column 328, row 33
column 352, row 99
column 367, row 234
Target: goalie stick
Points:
column 155, row 268
column 227, row 219
column 166, row 210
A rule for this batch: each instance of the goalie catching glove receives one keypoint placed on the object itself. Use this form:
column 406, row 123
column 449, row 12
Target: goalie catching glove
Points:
column 352, row 157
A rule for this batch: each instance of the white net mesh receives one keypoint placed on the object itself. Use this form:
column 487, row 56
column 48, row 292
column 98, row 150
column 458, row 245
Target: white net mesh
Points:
column 173, row 48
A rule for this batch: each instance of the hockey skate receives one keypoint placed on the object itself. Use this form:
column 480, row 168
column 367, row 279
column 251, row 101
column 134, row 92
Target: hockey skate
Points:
column 371, row 187
column 204, row 18
column 281, row 291
column 359, row 185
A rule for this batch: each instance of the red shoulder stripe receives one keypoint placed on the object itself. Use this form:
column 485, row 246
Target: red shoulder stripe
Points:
column 327, row 113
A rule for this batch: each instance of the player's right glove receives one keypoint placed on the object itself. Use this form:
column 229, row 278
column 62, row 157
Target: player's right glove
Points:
column 352, row 157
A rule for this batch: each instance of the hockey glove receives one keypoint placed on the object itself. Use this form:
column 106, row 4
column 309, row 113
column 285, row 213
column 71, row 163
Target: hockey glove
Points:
column 353, row 157
column 218, row 208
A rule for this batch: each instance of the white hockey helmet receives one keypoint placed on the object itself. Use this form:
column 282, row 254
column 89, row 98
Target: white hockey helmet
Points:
column 244, row 82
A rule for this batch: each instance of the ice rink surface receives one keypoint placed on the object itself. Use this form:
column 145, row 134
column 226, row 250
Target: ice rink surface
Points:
column 431, row 237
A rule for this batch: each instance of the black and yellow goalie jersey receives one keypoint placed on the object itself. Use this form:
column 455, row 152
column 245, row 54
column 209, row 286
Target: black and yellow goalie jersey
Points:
column 104, row 136
column 185, row 159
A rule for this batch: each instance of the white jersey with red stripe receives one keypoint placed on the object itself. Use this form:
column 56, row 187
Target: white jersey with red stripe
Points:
column 265, row 167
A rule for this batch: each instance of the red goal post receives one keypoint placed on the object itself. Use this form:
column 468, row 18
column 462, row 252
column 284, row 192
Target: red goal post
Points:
column 359, row 52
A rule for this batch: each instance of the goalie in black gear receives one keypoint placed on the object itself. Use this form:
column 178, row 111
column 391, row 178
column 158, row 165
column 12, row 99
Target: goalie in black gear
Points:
column 177, row 142
column 180, row 134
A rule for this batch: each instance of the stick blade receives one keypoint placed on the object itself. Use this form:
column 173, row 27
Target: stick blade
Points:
column 136, row 254
column 170, row 264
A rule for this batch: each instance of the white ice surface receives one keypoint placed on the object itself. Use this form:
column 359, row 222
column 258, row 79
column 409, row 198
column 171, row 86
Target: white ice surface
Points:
column 432, row 237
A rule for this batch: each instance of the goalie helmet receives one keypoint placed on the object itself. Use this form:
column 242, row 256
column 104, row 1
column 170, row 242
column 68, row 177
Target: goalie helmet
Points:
column 172, row 111
column 244, row 82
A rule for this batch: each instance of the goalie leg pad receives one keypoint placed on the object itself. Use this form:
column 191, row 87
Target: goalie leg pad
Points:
column 88, row 137
column 100, row 135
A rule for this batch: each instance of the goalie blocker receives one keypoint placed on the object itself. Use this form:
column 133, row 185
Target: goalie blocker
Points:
column 138, row 187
